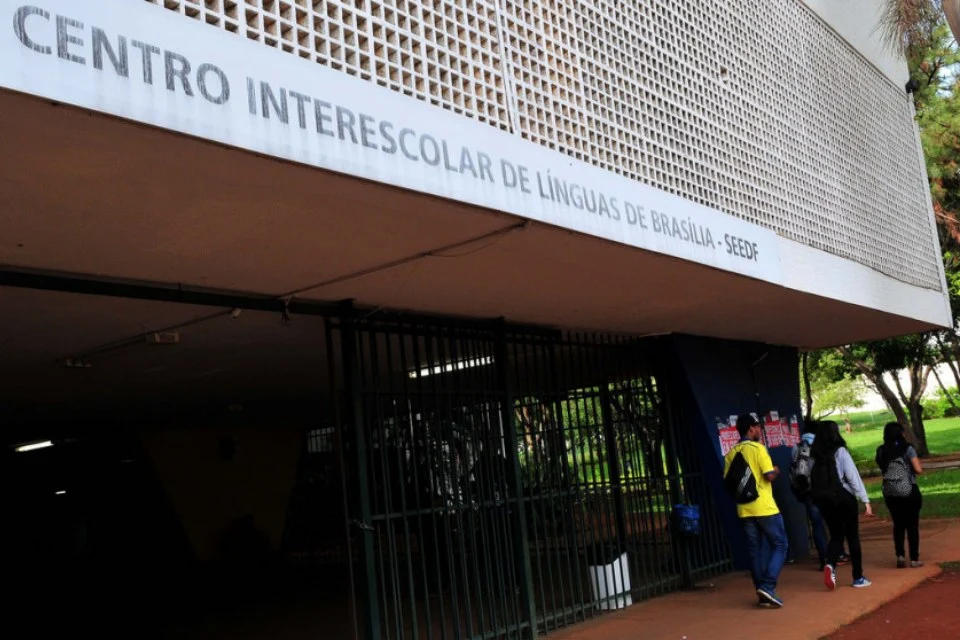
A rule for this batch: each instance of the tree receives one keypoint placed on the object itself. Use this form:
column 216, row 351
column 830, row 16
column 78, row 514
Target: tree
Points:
column 937, row 102
column 819, row 370
column 905, row 25
column 948, row 341
column 846, row 393
column 938, row 115
column 882, row 358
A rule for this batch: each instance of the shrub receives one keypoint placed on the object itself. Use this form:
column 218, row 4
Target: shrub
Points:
column 934, row 409
column 939, row 405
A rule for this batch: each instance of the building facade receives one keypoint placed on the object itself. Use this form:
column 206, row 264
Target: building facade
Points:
column 404, row 319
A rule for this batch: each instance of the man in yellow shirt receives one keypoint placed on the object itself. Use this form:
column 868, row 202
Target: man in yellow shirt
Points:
column 762, row 522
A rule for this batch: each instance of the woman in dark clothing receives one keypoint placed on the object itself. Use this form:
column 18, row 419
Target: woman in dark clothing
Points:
column 900, row 466
column 839, row 508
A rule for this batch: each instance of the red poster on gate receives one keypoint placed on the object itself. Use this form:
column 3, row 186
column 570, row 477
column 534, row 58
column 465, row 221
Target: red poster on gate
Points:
column 794, row 431
column 776, row 432
column 771, row 431
column 729, row 437
column 727, row 434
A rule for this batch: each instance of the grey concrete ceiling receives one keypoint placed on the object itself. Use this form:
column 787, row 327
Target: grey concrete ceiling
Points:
column 87, row 194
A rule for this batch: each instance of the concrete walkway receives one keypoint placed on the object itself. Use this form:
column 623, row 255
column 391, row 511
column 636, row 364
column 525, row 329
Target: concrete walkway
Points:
column 728, row 610
column 947, row 464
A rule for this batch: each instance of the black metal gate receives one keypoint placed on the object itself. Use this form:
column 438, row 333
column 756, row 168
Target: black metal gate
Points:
column 505, row 481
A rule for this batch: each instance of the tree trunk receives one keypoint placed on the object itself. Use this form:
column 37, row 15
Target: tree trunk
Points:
column 893, row 402
column 889, row 397
column 951, row 356
column 952, row 362
column 946, row 392
column 918, row 430
column 919, row 375
column 808, row 393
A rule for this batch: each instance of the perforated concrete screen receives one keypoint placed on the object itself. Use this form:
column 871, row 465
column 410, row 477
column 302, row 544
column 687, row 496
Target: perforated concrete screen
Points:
column 754, row 107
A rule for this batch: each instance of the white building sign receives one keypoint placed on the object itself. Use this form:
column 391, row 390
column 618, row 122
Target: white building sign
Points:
column 140, row 62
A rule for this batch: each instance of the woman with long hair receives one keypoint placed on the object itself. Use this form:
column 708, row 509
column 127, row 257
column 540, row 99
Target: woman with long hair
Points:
column 900, row 466
column 836, row 488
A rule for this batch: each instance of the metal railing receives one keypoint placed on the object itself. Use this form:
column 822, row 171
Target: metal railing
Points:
column 506, row 481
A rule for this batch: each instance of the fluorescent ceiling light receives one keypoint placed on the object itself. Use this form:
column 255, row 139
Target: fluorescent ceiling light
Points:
column 61, row 492
column 451, row 366
column 33, row 446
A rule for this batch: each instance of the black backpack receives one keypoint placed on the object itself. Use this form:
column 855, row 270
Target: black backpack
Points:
column 740, row 482
column 801, row 472
column 825, row 486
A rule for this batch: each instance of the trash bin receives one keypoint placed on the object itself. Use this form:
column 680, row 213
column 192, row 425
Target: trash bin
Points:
column 610, row 583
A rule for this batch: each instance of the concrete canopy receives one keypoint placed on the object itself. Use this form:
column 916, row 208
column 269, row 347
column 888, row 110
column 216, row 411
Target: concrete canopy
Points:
column 93, row 195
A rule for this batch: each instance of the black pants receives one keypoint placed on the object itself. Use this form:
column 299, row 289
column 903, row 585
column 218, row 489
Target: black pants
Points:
column 843, row 523
column 906, row 519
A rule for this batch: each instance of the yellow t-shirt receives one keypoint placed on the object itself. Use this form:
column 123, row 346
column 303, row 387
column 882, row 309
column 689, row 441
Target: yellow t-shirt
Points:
column 758, row 458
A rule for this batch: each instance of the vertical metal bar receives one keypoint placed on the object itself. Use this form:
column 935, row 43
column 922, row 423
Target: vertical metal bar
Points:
column 379, row 495
column 354, row 392
column 567, row 425
column 341, row 462
column 482, row 495
column 573, row 397
column 520, row 521
column 392, row 606
column 565, row 499
column 406, row 333
column 400, row 425
column 444, row 437
column 630, row 375
column 597, row 349
column 582, row 375
column 498, row 561
column 430, row 434
column 502, row 529
column 626, row 434
column 460, row 415
column 498, row 532
column 514, row 494
column 539, row 398
column 533, row 458
column 613, row 460
column 654, row 464
column 673, row 473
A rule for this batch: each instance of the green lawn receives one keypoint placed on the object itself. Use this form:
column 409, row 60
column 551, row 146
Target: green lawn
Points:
column 941, row 495
column 866, row 419
column 943, row 437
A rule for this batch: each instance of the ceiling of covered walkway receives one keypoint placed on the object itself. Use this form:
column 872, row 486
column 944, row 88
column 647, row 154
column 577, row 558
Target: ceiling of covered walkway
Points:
column 94, row 196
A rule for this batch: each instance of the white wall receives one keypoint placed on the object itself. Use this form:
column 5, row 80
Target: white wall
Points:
column 856, row 21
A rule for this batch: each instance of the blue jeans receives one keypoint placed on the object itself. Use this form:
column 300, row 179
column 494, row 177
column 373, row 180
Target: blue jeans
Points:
column 819, row 530
column 767, row 544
